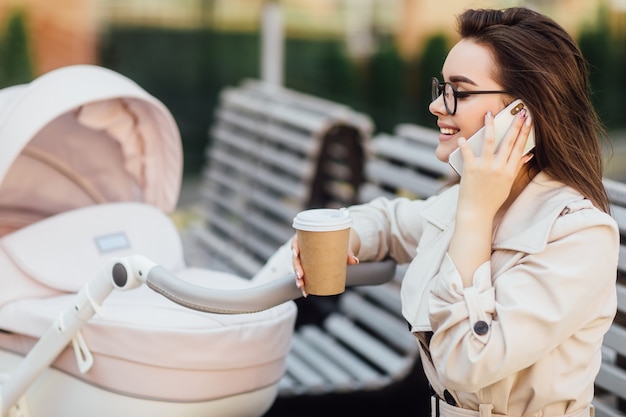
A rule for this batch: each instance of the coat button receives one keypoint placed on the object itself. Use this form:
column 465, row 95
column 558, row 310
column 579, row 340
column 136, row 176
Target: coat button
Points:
column 481, row 327
column 449, row 398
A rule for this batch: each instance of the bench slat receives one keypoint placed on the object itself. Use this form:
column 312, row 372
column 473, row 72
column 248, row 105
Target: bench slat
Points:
column 261, row 247
column 616, row 339
column 389, row 328
column 276, row 230
column 403, row 179
column 311, row 103
column 288, row 386
column 365, row 375
column 616, row 191
column 277, row 134
column 419, row 156
column 619, row 214
column 424, row 135
column 621, row 293
column 604, row 409
column 371, row 348
column 612, row 378
column 368, row 192
column 232, row 254
column 285, row 209
column 263, row 176
column 276, row 111
column 341, row 380
column 387, row 296
column 305, row 375
column 292, row 163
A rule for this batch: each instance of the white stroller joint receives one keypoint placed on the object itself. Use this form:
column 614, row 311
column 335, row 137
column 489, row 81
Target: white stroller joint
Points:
column 90, row 167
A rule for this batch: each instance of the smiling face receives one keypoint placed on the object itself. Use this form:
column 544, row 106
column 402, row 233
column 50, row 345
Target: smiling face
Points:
column 469, row 67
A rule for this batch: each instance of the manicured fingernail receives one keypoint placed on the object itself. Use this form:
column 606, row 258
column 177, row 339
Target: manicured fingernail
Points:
column 297, row 274
column 528, row 121
column 355, row 258
column 522, row 114
column 489, row 115
column 304, row 294
column 529, row 157
column 294, row 253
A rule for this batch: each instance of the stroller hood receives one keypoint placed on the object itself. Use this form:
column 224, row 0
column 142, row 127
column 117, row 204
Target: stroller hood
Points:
column 84, row 135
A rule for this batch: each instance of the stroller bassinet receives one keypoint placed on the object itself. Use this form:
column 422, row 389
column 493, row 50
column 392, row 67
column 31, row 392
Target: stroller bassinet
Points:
column 90, row 166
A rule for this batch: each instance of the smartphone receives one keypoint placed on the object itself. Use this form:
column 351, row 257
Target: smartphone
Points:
column 501, row 122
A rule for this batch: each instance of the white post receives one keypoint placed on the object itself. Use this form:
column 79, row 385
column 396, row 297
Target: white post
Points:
column 359, row 37
column 272, row 43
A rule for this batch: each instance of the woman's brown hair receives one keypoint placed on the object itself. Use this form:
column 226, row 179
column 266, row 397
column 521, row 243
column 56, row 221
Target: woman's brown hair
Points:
column 539, row 62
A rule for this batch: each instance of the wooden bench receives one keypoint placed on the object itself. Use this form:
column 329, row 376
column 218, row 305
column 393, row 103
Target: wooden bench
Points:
column 274, row 152
column 362, row 344
column 610, row 400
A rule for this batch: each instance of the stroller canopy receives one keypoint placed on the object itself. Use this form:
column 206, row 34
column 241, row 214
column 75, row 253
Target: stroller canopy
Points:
column 83, row 135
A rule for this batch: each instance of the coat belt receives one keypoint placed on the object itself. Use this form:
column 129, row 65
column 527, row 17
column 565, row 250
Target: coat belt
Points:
column 440, row 408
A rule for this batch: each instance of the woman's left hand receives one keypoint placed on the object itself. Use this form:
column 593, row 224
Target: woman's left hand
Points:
column 297, row 264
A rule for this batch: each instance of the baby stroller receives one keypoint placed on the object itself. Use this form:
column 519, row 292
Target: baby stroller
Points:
column 90, row 167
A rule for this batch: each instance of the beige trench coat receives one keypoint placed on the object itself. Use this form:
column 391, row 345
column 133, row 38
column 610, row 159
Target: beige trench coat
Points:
column 526, row 337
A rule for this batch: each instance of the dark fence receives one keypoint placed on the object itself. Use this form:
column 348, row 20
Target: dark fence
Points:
column 186, row 70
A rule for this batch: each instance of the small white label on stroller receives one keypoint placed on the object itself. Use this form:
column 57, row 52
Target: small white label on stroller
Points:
column 112, row 242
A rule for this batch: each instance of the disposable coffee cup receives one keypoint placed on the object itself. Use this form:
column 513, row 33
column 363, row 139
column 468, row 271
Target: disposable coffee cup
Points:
column 323, row 236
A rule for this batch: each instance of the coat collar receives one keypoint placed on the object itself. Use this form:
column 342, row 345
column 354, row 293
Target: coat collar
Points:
column 526, row 224
column 524, row 228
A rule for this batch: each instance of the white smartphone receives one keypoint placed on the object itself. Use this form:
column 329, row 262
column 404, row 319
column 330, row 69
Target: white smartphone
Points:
column 501, row 122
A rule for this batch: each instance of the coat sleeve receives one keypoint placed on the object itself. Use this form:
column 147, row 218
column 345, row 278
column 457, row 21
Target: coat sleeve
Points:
column 388, row 228
column 505, row 323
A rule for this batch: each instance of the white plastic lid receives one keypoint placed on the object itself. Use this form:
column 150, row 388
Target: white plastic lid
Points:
column 322, row 220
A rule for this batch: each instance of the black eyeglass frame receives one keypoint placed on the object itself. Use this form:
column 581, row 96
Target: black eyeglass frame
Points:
column 437, row 88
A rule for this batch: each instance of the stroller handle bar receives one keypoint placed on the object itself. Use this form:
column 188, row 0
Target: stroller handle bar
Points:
column 236, row 301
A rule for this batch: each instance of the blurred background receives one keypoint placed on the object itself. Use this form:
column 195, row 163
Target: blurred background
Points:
column 373, row 55
column 376, row 56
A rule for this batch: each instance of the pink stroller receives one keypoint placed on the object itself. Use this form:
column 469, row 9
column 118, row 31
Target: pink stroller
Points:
column 90, row 165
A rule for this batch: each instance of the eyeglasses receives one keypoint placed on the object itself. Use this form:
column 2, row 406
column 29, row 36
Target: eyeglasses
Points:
column 451, row 94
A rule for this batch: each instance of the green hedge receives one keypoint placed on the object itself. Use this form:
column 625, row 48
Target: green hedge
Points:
column 15, row 60
column 186, row 69
column 606, row 55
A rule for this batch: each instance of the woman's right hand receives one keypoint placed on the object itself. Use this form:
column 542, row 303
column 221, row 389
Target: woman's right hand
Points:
column 297, row 264
column 487, row 179
column 485, row 187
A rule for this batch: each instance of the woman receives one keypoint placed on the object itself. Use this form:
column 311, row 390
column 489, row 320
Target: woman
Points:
column 511, row 283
